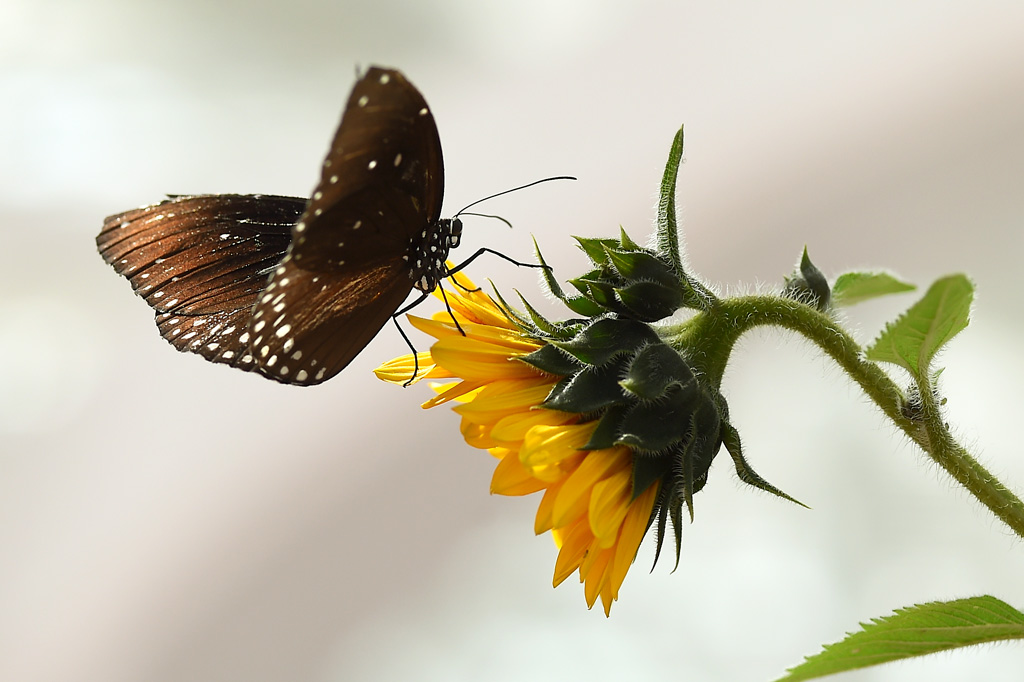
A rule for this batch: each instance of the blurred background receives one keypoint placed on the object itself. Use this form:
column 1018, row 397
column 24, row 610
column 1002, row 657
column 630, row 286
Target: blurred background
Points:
column 165, row 519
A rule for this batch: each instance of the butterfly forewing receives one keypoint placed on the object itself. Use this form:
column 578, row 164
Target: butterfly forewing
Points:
column 386, row 146
column 348, row 268
column 201, row 263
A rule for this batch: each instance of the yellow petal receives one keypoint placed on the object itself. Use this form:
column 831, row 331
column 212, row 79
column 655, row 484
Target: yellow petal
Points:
column 442, row 327
column 574, row 499
column 542, row 522
column 446, row 392
column 511, row 478
column 502, row 398
column 470, row 358
column 630, row 535
column 513, row 428
column 597, row 576
column 548, row 444
column 573, row 550
column 609, row 503
column 477, row 435
column 399, row 370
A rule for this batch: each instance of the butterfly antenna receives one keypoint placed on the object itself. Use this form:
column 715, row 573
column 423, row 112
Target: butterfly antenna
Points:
column 515, row 189
column 487, row 215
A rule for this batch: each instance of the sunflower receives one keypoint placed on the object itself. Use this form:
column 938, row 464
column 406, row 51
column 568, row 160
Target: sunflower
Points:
column 588, row 502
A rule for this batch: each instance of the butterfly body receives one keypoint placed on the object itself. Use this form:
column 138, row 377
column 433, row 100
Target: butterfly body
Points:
column 294, row 288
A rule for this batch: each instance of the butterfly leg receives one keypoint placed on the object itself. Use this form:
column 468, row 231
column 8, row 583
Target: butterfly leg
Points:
column 450, row 313
column 403, row 311
column 394, row 318
column 482, row 251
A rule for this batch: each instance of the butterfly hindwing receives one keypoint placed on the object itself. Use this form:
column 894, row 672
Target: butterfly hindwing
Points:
column 201, row 263
column 307, row 326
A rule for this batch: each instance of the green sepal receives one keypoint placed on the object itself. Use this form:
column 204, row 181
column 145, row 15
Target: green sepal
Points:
column 648, row 470
column 581, row 282
column 539, row 321
column 731, row 440
column 640, row 265
column 660, row 512
column 706, row 442
column 816, row 282
column 601, row 292
column 650, row 301
column 589, row 390
column 810, row 286
column 625, row 241
column 583, row 306
column 594, row 248
column 668, row 230
column 607, row 429
column 677, row 529
column 578, row 304
column 514, row 315
column 655, row 426
column 653, row 370
column 606, row 338
column 551, row 360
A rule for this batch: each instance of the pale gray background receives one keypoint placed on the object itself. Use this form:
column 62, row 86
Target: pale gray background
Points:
column 163, row 519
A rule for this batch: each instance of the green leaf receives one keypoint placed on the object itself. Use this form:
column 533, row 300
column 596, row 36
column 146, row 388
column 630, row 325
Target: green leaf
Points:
column 668, row 230
column 915, row 631
column 913, row 340
column 853, row 287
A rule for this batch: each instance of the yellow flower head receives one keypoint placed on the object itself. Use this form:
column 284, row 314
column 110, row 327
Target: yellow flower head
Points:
column 588, row 502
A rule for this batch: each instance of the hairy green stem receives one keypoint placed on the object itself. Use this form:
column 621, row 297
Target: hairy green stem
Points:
column 708, row 338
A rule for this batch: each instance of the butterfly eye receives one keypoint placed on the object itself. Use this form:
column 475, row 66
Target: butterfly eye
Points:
column 456, row 233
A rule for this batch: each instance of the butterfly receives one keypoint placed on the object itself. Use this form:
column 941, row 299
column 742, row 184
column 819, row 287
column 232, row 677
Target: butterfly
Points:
column 293, row 288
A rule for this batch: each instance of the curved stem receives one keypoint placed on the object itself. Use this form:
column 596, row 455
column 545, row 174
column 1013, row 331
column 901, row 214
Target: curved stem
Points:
column 708, row 339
